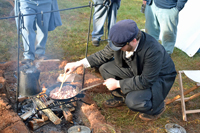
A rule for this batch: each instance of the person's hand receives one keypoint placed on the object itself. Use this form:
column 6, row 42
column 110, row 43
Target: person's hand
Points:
column 111, row 84
column 144, row 2
column 70, row 67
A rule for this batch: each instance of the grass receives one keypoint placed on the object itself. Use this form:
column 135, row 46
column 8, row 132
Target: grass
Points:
column 69, row 41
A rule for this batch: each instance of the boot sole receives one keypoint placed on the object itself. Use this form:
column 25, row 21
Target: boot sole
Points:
column 155, row 116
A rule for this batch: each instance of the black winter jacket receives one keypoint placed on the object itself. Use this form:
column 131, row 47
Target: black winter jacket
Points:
column 152, row 67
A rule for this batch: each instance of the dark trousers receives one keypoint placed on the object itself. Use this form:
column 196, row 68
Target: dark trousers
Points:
column 139, row 100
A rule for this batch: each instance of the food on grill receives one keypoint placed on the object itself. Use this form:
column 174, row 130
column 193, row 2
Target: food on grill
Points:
column 66, row 92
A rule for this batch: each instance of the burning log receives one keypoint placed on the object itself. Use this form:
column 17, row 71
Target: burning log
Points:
column 68, row 116
column 52, row 117
column 36, row 123
column 39, row 120
column 49, row 102
column 44, row 117
column 67, row 109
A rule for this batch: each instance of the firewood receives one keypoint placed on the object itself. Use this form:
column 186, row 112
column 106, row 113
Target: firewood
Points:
column 26, row 115
column 20, row 99
column 48, row 102
column 68, row 116
column 74, row 103
column 52, row 117
column 68, row 107
column 44, row 117
column 34, row 125
column 39, row 120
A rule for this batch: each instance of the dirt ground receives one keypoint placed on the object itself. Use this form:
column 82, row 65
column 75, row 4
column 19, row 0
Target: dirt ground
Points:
column 88, row 113
column 10, row 121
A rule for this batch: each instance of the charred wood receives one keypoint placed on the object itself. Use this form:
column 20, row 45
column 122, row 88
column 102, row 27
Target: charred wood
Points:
column 52, row 117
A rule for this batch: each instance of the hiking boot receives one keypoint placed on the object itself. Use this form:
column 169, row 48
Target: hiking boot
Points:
column 27, row 61
column 96, row 43
column 147, row 117
column 111, row 103
column 41, row 57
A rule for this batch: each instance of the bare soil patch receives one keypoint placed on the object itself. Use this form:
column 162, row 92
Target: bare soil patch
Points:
column 88, row 113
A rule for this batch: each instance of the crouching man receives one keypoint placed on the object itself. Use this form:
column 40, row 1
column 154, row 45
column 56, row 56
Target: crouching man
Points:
column 136, row 69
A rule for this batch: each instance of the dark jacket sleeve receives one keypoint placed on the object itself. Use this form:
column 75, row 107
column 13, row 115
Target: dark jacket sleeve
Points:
column 101, row 57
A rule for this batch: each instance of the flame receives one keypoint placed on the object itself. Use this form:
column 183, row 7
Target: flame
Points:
column 44, row 89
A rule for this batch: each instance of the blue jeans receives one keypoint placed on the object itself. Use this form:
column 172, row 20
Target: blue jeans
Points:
column 31, row 37
column 99, row 17
column 162, row 23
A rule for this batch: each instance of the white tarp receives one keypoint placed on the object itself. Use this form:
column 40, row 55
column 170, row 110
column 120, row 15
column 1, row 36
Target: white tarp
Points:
column 193, row 75
column 188, row 32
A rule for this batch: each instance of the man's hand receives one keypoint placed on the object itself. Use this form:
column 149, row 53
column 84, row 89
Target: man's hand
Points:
column 111, row 84
column 70, row 67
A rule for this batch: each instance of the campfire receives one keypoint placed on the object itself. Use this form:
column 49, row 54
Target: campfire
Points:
column 40, row 112
column 39, row 109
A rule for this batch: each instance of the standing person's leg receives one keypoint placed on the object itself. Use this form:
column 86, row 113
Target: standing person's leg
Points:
column 112, row 15
column 28, row 32
column 168, row 19
column 42, row 28
column 152, row 26
column 99, row 17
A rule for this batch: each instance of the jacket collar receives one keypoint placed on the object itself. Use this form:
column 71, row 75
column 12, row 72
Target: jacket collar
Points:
column 141, row 42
